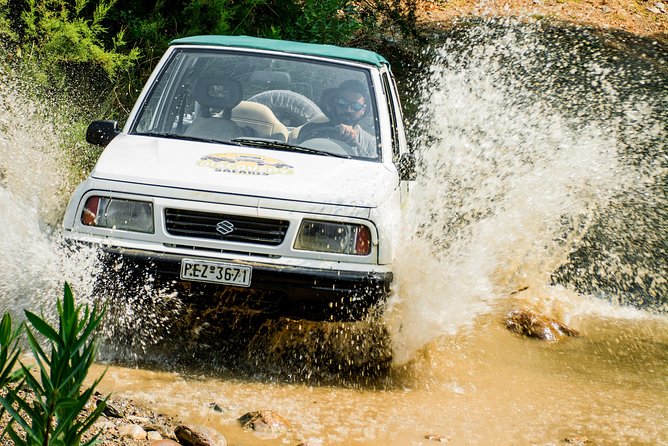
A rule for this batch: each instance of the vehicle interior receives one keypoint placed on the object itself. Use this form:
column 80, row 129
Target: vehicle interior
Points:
column 223, row 95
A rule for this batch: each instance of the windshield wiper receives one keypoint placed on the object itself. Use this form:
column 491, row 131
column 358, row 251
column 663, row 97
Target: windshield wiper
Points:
column 181, row 136
column 280, row 145
column 251, row 142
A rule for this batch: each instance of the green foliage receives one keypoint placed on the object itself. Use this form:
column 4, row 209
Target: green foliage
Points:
column 327, row 21
column 55, row 417
column 210, row 16
column 56, row 32
column 151, row 26
column 9, row 352
column 6, row 31
column 319, row 21
column 401, row 14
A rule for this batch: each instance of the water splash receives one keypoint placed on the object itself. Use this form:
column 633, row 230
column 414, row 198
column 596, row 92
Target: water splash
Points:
column 34, row 259
column 531, row 149
column 33, row 263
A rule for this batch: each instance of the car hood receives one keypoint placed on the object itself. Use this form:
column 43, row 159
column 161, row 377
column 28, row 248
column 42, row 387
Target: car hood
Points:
column 246, row 171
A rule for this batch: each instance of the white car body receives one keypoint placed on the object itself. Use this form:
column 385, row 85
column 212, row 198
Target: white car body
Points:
column 239, row 182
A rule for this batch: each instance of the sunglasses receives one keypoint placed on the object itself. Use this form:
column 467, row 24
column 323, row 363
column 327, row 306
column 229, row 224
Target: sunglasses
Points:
column 355, row 106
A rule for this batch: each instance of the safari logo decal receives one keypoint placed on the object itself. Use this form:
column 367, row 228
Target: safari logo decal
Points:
column 245, row 164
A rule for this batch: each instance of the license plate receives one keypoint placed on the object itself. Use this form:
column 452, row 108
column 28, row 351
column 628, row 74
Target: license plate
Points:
column 215, row 272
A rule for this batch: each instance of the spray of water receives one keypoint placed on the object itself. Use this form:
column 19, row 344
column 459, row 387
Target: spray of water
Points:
column 529, row 145
column 34, row 259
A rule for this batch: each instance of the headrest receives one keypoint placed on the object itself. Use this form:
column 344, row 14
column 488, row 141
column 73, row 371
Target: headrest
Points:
column 218, row 92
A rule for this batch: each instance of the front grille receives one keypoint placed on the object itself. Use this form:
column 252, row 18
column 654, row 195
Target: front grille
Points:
column 262, row 231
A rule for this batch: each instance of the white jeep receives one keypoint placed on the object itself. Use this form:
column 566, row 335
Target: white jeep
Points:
column 255, row 164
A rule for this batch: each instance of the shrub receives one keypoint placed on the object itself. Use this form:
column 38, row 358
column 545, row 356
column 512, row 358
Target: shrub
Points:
column 52, row 33
column 56, row 415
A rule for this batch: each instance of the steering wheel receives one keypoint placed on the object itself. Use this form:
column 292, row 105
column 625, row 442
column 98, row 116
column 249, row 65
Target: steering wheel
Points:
column 291, row 108
column 325, row 132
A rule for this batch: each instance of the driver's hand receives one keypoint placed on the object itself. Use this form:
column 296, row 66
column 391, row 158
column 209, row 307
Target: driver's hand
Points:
column 349, row 133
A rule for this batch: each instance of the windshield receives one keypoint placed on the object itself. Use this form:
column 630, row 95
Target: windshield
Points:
column 223, row 95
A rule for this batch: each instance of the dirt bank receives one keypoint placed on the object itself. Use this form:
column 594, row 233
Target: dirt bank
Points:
column 648, row 18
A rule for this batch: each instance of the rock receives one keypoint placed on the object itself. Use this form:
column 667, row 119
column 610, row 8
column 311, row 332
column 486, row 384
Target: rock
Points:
column 536, row 325
column 163, row 430
column 195, row 435
column 311, row 442
column 133, row 431
column 112, row 411
column 138, row 420
column 153, row 436
column 264, row 421
column 165, row 443
column 104, row 425
column 661, row 7
column 578, row 440
column 438, row 438
column 216, row 407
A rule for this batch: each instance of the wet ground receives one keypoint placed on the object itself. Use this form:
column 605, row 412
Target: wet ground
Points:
column 483, row 386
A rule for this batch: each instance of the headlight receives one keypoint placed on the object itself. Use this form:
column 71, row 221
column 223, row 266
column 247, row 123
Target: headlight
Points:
column 117, row 213
column 340, row 238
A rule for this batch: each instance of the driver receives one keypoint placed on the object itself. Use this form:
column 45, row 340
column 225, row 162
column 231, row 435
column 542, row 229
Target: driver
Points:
column 345, row 107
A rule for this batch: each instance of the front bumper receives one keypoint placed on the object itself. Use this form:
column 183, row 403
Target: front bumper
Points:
column 303, row 285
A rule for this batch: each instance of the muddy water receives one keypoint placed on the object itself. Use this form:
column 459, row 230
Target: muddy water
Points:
column 484, row 386
column 541, row 185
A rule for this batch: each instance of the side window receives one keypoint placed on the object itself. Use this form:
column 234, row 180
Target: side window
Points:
column 393, row 109
column 166, row 99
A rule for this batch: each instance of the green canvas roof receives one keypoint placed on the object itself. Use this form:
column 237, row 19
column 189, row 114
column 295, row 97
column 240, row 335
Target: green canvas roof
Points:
column 286, row 46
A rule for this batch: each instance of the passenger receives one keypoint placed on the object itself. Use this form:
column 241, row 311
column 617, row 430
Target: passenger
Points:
column 345, row 107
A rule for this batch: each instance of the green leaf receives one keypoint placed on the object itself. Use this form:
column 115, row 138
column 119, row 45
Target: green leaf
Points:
column 6, row 330
column 42, row 327
column 15, row 415
column 15, row 437
column 38, row 353
column 92, row 418
column 32, row 383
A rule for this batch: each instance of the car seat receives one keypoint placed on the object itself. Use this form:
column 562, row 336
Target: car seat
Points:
column 260, row 119
column 219, row 94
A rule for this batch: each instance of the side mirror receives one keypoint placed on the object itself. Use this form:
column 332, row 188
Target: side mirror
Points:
column 406, row 167
column 101, row 133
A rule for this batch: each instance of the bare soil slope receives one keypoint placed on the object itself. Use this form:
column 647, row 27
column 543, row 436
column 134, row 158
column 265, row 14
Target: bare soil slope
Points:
column 648, row 18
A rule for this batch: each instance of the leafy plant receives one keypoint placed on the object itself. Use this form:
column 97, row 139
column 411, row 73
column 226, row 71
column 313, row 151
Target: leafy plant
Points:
column 327, row 21
column 60, row 32
column 9, row 352
column 56, row 417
